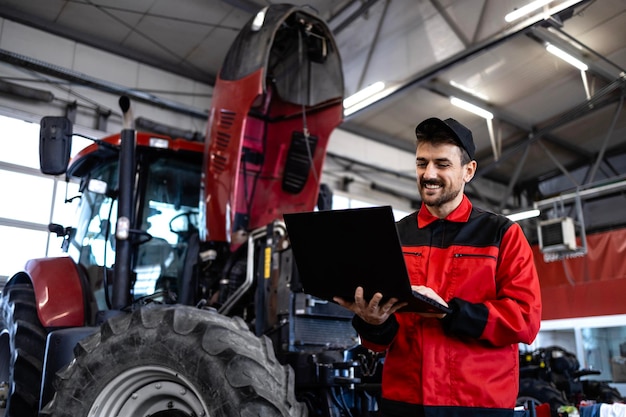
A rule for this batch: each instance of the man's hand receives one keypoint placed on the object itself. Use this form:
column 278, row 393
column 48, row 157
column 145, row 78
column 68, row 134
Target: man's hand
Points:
column 430, row 293
column 372, row 312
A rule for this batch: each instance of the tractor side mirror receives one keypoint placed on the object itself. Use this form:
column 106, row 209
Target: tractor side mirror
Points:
column 55, row 143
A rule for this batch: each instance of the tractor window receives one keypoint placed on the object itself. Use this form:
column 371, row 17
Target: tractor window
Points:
column 99, row 237
column 167, row 215
column 93, row 242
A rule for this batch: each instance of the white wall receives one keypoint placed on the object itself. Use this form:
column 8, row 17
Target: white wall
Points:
column 376, row 154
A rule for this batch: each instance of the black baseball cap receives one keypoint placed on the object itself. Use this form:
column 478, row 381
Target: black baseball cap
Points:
column 461, row 134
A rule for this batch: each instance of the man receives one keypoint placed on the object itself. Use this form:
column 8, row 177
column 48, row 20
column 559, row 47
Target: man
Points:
column 478, row 263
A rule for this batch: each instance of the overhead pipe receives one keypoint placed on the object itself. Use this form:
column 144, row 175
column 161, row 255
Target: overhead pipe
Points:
column 584, row 191
column 98, row 84
column 28, row 93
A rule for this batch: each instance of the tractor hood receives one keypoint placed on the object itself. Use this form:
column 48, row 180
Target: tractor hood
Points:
column 268, row 41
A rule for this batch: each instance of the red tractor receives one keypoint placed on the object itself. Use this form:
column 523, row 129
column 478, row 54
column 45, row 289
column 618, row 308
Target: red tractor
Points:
column 179, row 295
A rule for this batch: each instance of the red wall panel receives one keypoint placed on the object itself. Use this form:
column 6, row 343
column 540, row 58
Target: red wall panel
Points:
column 592, row 285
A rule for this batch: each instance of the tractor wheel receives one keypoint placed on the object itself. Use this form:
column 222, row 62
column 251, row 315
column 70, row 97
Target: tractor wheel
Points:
column 174, row 361
column 537, row 391
column 22, row 348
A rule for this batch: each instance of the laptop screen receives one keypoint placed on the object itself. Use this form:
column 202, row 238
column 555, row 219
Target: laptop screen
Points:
column 337, row 250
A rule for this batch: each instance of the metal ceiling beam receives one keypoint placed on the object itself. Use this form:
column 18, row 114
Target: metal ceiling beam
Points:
column 619, row 151
column 451, row 23
column 531, row 134
column 426, row 77
column 605, row 142
column 558, row 163
column 428, row 74
column 370, row 52
column 514, row 178
column 582, row 154
column 601, row 99
column 448, row 90
column 481, row 20
column 474, row 192
column 354, row 16
column 431, row 72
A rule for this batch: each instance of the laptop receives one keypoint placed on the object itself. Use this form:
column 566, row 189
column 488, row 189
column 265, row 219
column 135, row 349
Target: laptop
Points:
column 336, row 251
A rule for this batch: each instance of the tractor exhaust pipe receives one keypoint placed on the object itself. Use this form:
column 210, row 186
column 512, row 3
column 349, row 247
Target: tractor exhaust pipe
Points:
column 125, row 211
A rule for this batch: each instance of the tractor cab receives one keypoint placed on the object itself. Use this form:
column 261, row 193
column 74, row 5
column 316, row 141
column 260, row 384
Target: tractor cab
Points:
column 165, row 215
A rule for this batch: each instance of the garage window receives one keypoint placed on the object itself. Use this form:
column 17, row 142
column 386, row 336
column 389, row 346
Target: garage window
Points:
column 30, row 200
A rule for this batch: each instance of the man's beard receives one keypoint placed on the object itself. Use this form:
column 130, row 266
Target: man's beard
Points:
column 445, row 196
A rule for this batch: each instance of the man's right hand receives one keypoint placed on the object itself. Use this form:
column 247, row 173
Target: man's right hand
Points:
column 430, row 293
column 372, row 312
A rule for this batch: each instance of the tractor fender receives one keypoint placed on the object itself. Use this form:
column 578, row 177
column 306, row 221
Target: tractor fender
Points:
column 59, row 292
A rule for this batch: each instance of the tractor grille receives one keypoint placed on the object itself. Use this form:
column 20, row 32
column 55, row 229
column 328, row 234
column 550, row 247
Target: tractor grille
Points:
column 298, row 163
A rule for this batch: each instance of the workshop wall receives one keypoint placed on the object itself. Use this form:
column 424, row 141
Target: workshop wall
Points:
column 590, row 285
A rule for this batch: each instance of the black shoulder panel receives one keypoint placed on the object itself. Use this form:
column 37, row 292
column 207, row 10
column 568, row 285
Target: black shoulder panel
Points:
column 483, row 229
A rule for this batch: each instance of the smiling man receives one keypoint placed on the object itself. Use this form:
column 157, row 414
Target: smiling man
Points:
column 476, row 262
column 444, row 160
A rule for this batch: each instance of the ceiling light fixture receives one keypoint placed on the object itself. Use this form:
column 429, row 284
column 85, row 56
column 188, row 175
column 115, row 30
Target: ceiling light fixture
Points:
column 522, row 215
column 471, row 108
column 566, row 57
column 364, row 94
column 363, row 98
column 524, row 10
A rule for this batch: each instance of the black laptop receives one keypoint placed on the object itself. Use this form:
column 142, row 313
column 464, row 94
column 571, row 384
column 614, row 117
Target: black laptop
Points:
column 337, row 250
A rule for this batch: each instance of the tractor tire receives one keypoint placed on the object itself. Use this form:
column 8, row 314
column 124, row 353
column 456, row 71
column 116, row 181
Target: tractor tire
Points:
column 174, row 361
column 22, row 349
column 537, row 391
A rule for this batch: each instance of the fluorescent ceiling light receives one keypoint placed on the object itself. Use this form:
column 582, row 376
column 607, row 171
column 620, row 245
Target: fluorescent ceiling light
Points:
column 471, row 108
column 363, row 94
column 524, row 10
column 523, row 215
column 566, row 57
